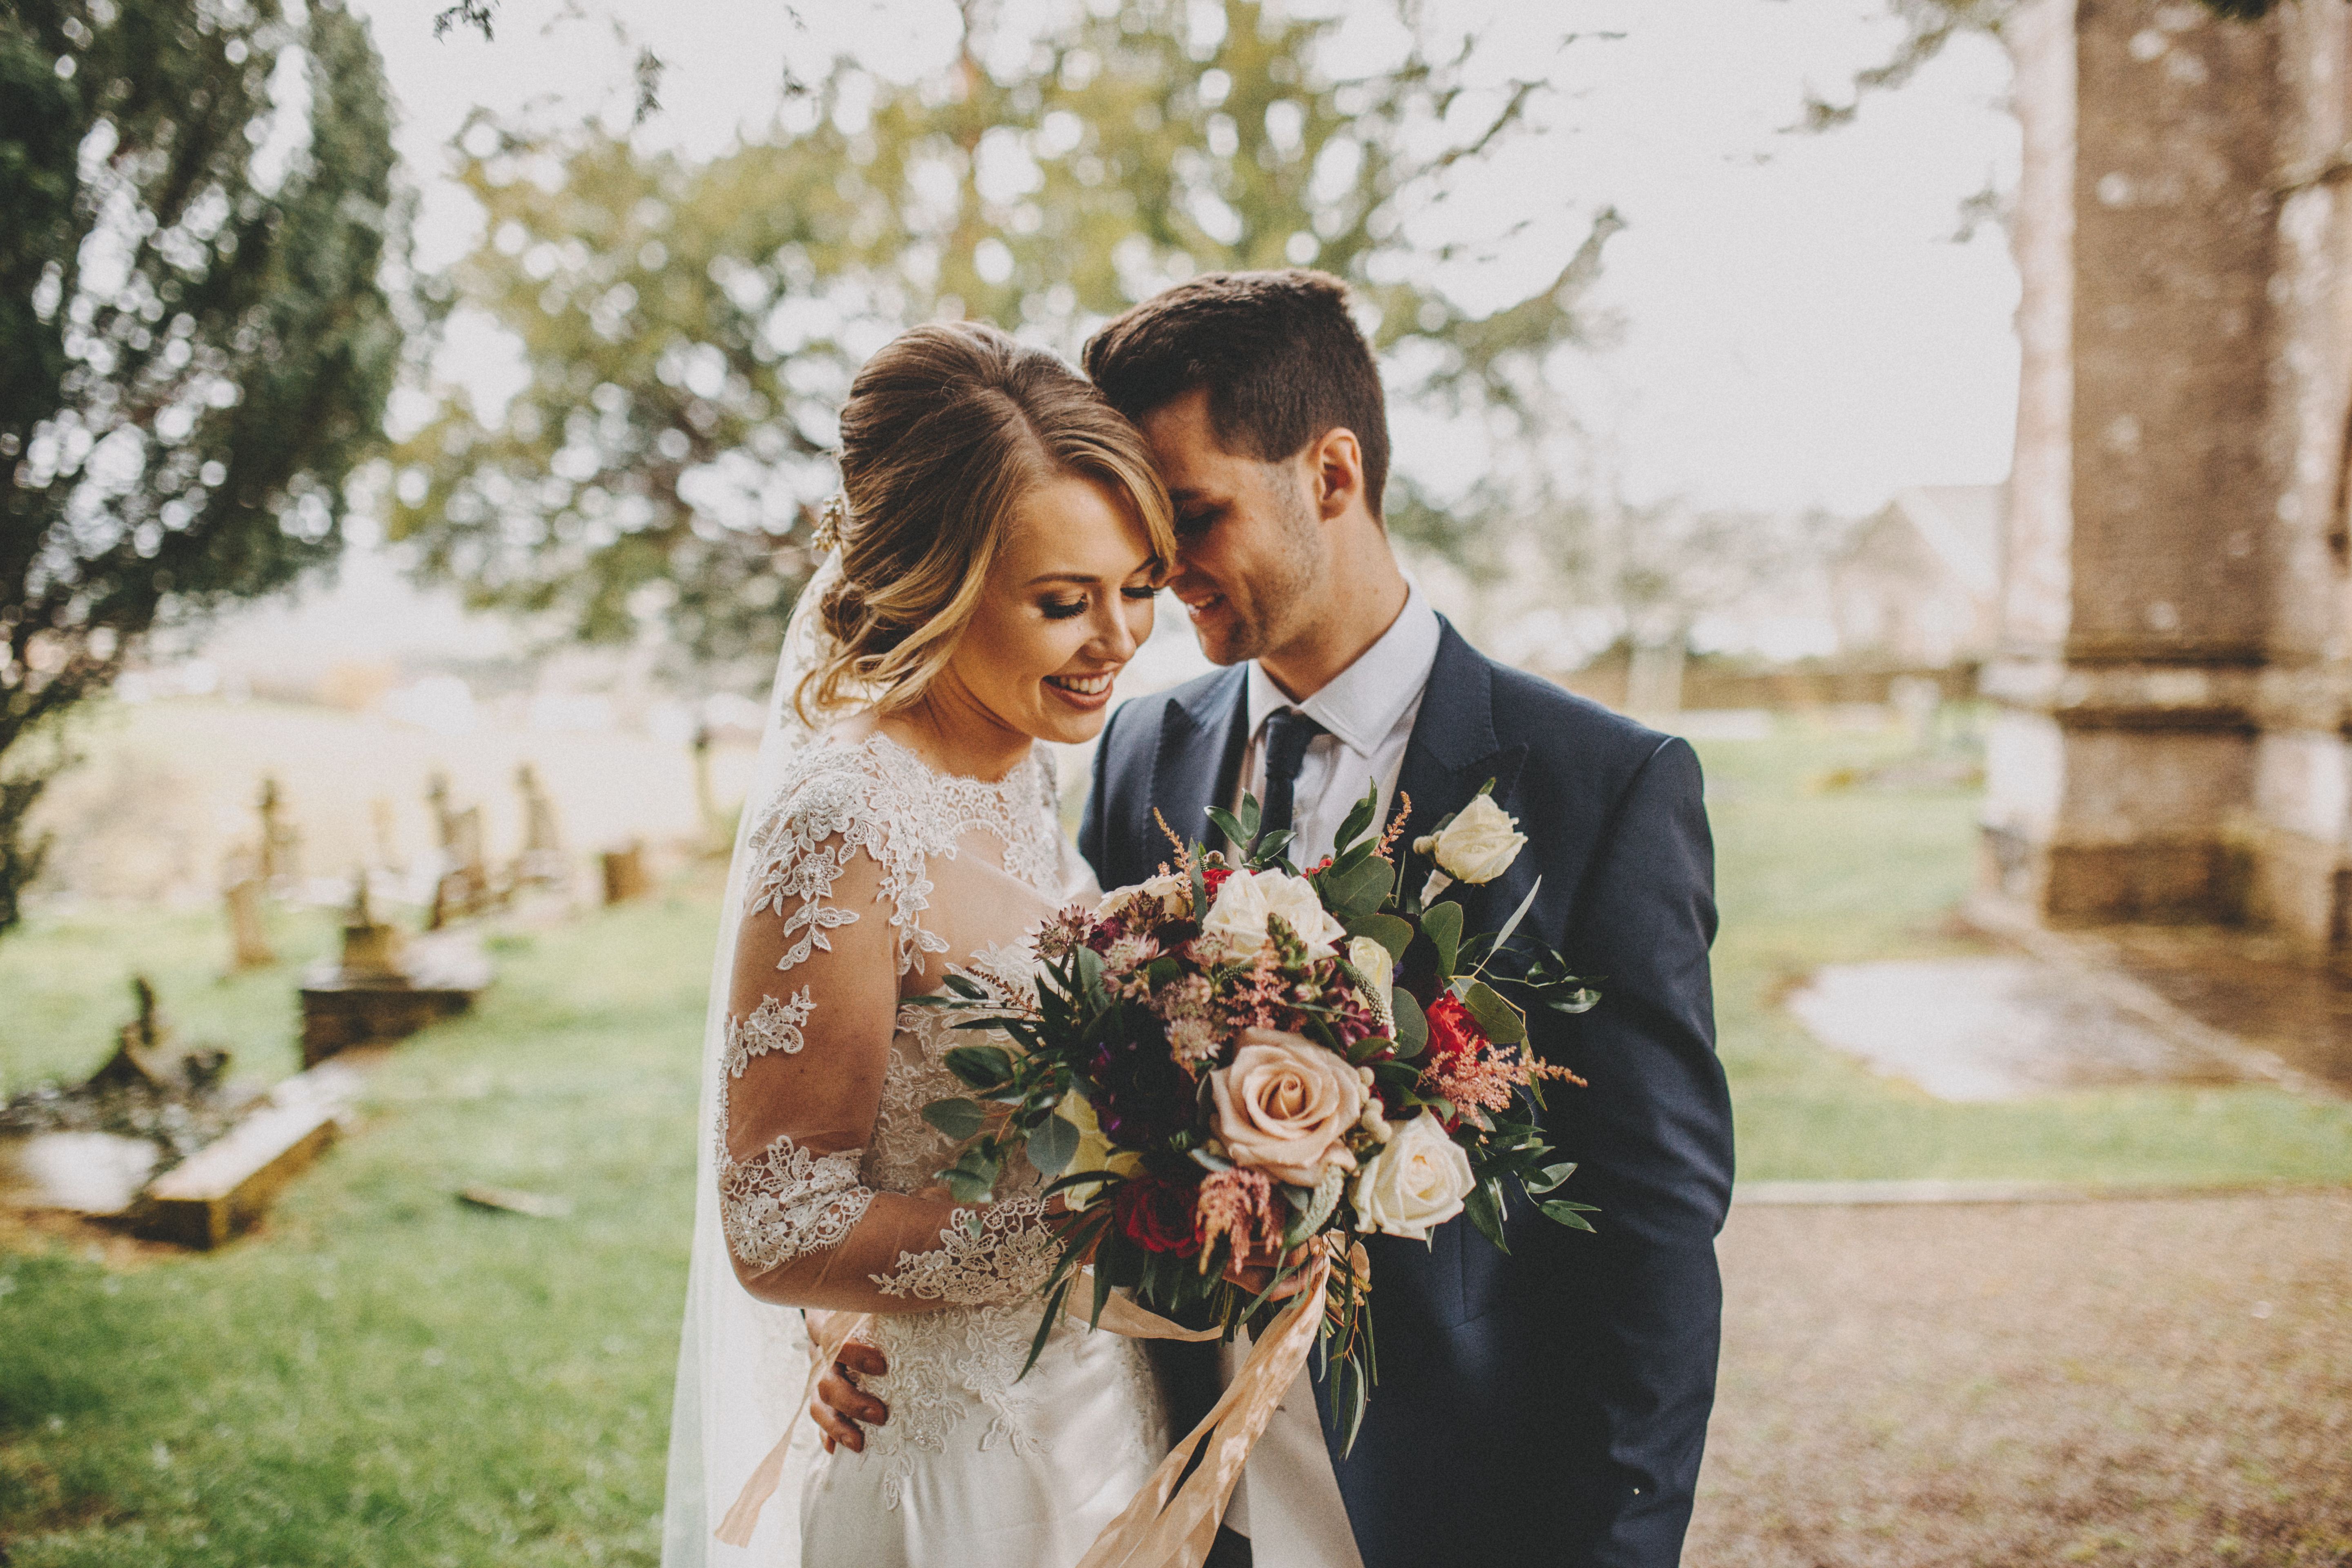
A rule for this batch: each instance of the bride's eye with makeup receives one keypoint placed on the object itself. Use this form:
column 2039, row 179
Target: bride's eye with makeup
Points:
column 1063, row 609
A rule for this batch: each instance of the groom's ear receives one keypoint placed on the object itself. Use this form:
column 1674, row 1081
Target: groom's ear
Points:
column 1335, row 465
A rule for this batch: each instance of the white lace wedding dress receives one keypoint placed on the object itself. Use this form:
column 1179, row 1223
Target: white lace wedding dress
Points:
column 871, row 877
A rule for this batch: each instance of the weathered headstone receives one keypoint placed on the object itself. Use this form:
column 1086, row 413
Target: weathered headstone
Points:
column 625, row 873
column 542, row 863
column 281, row 841
column 244, row 897
column 383, row 987
column 463, row 888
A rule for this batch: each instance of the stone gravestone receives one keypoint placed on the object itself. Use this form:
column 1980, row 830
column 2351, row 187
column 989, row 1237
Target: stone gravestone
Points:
column 625, row 873
column 244, row 893
column 541, row 863
column 281, row 841
column 381, row 988
column 463, row 886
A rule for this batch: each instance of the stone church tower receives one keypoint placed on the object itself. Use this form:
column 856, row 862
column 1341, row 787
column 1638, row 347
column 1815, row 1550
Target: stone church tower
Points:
column 2173, row 736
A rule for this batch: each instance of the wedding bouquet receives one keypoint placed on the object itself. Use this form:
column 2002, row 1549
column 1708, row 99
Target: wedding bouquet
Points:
column 1235, row 1059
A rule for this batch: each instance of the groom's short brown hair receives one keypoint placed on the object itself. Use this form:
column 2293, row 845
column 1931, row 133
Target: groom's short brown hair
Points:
column 1281, row 357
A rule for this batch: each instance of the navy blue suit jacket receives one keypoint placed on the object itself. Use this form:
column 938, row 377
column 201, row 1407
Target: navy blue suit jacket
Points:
column 1546, row 1406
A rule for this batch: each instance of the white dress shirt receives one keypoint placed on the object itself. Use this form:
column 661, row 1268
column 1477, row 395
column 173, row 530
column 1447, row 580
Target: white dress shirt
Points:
column 1368, row 709
column 1288, row 1501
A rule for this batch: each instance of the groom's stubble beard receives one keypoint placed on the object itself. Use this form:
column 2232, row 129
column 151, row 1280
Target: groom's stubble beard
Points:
column 1277, row 604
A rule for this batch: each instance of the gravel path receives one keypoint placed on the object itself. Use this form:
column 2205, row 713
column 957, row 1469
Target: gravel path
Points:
column 2142, row 1382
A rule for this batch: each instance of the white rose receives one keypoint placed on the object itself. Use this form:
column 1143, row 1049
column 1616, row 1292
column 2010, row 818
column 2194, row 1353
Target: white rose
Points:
column 1237, row 919
column 1480, row 842
column 1378, row 966
column 1171, row 890
column 1416, row 1181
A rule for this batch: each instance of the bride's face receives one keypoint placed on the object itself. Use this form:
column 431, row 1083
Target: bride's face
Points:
column 1068, row 598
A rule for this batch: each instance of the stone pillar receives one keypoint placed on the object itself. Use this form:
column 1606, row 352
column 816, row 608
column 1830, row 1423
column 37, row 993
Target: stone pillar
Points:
column 2302, row 816
column 2155, row 573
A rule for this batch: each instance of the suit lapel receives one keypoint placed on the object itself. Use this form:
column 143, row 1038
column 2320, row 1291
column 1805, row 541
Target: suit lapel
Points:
column 1453, row 749
column 1202, row 738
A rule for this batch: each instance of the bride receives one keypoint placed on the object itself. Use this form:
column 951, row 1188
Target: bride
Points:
column 1000, row 538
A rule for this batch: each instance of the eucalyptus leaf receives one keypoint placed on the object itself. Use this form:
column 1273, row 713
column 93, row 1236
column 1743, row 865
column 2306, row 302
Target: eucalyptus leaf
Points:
column 1359, row 818
column 1441, row 923
column 1484, row 1207
column 1389, row 931
column 982, row 1067
column 1503, row 1024
column 959, row 1119
column 1412, row 1027
column 1052, row 1145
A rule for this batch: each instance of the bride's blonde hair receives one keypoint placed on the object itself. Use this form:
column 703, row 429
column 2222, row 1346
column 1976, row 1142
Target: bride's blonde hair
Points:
column 946, row 429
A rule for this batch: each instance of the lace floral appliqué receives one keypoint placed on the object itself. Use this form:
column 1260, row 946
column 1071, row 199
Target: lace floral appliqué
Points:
column 786, row 1202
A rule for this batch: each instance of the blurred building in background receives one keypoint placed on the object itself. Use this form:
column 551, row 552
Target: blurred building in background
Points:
column 1919, row 584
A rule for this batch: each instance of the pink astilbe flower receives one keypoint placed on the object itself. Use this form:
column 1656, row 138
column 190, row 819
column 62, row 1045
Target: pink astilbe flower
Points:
column 1238, row 1204
column 1489, row 1076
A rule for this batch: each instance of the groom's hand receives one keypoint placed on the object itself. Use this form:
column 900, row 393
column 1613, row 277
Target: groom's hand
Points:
column 839, row 1404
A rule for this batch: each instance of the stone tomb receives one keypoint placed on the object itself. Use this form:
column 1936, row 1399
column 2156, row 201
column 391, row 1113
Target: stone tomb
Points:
column 386, row 985
column 92, row 1150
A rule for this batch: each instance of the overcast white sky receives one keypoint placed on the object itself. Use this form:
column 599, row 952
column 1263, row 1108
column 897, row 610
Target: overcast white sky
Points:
column 1798, row 326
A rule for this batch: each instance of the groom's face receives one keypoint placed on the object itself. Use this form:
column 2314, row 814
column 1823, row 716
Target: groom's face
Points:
column 1249, row 551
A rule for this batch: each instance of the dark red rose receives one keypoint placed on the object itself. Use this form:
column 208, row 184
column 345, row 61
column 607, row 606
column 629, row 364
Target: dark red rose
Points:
column 1156, row 1215
column 1452, row 1029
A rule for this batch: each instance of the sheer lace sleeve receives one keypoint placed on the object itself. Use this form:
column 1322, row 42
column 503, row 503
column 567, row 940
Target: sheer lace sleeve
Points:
column 832, row 940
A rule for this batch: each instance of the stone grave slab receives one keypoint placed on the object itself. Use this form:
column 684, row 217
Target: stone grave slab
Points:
column 230, row 1183
column 1996, row 1028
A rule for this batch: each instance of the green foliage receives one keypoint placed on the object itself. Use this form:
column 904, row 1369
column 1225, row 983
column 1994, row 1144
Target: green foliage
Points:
column 690, row 330
column 195, row 345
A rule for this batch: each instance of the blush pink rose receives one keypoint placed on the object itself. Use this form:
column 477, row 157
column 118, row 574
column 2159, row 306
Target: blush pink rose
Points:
column 1284, row 1105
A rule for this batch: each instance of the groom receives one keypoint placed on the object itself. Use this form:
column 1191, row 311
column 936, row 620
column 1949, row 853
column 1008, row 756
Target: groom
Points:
column 1548, row 1405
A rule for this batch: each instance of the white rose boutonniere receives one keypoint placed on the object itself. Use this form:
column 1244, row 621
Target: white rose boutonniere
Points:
column 1417, row 1181
column 1476, row 847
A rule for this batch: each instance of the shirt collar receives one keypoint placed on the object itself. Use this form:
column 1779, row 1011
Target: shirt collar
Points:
column 1364, row 701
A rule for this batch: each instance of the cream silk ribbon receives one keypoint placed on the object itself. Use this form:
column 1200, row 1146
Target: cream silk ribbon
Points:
column 1165, row 1525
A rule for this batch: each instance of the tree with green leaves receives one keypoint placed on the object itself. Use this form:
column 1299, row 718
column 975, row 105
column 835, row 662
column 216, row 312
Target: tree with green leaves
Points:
column 195, row 340
column 688, row 329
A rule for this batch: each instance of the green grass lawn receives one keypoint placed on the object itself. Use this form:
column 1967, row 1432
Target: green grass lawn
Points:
column 384, row 1376
column 1810, row 876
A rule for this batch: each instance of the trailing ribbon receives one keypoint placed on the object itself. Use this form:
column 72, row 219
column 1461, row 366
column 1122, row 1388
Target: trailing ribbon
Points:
column 1167, row 1527
column 1163, row 1526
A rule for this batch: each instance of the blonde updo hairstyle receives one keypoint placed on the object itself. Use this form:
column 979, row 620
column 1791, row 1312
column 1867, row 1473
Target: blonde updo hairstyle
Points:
column 946, row 429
